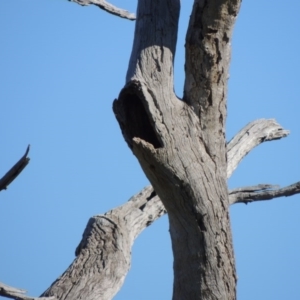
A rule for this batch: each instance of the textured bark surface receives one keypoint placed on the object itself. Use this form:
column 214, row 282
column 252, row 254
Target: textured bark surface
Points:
column 103, row 241
column 103, row 256
column 181, row 144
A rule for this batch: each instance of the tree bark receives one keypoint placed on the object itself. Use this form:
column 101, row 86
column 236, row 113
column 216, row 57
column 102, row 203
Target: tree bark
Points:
column 181, row 144
column 103, row 256
column 130, row 219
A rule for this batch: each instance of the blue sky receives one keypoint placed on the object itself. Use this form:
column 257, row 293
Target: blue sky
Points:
column 61, row 66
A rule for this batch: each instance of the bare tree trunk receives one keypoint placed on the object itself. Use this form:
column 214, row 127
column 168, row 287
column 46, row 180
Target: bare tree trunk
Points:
column 104, row 254
column 181, row 144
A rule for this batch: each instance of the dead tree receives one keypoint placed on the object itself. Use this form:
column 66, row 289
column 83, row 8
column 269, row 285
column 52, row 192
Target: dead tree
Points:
column 181, row 147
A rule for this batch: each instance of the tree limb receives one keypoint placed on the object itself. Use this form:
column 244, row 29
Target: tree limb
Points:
column 253, row 188
column 14, row 171
column 102, row 4
column 207, row 60
column 118, row 228
column 253, row 134
column 262, row 192
column 103, row 256
column 18, row 294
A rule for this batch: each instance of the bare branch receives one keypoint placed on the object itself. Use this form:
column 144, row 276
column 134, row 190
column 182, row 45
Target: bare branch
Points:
column 14, row 171
column 105, row 248
column 253, row 188
column 249, row 137
column 107, row 240
column 128, row 220
column 262, row 192
column 102, row 4
column 18, row 294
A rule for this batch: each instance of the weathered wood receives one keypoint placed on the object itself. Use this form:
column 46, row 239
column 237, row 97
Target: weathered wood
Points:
column 130, row 219
column 253, row 134
column 183, row 151
column 103, row 257
column 253, row 188
column 180, row 144
column 102, row 4
column 207, row 60
column 243, row 195
column 18, row 294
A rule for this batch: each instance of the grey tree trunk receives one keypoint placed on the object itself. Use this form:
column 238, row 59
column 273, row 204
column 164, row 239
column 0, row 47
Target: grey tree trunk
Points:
column 181, row 146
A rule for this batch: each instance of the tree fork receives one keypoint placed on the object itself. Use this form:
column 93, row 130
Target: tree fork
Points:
column 182, row 152
column 180, row 144
column 134, row 216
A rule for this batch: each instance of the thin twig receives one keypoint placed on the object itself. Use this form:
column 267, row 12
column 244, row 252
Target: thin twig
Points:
column 102, row 4
column 262, row 192
column 14, row 171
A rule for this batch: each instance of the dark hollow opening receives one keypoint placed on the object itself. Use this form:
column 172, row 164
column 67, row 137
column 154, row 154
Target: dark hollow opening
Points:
column 137, row 121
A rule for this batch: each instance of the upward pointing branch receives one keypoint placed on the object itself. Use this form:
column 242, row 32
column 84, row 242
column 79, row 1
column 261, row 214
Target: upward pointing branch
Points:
column 253, row 134
column 14, row 171
column 140, row 211
column 208, row 50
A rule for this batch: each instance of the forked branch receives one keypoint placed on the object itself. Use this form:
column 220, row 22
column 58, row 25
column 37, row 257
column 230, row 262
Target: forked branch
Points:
column 102, row 4
column 138, row 213
column 143, row 209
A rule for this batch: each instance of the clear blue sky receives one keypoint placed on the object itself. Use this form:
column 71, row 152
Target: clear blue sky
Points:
column 61, row 66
